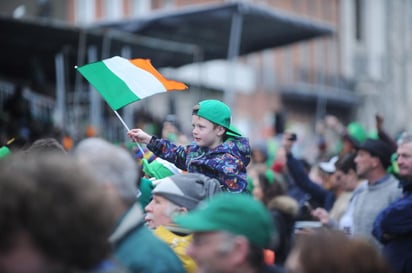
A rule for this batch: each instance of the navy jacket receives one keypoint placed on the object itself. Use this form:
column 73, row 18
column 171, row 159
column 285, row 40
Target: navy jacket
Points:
column 321, row 195
column 393, row 228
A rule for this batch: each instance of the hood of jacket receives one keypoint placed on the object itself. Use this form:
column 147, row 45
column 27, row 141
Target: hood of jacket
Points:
column 238, row 147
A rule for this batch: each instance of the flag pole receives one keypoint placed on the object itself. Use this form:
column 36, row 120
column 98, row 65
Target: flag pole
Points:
column 127, row 128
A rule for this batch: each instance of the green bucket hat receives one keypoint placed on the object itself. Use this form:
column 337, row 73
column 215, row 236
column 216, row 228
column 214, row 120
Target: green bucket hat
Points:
column 219, row 113
column 238, row 214
column 159, row 168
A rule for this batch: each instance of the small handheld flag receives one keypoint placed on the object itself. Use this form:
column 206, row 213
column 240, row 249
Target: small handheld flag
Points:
column 121, row 81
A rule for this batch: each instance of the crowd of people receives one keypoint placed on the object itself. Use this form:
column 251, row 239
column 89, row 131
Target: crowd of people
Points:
column 214, row 204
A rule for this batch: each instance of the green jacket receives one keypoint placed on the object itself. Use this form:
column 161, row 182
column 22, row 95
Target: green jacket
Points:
column 139, row 250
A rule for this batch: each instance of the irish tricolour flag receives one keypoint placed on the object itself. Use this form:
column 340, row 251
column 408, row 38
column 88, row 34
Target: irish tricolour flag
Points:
column 121, row 81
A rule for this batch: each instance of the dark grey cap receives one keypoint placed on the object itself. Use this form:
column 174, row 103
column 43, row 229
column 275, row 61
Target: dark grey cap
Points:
column 187, row 190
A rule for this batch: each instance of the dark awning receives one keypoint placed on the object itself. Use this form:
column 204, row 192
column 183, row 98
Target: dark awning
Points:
column 311, row 93
column 28, row 48
column 223, row 31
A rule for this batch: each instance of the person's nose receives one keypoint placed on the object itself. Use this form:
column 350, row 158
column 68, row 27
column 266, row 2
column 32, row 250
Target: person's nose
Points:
column 148, row 208
column 194, row 131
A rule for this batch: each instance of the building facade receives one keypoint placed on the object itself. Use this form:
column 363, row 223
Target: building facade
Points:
column 362, row 69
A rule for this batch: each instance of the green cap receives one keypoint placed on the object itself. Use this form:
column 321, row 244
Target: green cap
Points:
column 4, row 151
column 159, row 168
column 235, row 213
column 217, row 112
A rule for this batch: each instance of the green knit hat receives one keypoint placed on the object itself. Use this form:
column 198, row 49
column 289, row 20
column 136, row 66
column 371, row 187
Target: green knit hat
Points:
column 217, row 112
column 239, row 214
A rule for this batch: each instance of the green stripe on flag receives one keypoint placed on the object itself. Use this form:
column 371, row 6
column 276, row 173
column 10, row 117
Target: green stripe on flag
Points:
column 114, row 91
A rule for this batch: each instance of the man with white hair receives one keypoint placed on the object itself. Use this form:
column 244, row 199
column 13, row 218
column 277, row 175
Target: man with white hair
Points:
column 134, row 245
column 173, row 195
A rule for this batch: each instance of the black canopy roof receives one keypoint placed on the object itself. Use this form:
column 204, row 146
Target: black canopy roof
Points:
column 225, row 30
column 198, row 33
column 29, row 47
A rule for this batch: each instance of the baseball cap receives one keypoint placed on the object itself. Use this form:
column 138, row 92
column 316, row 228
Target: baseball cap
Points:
column 187, row 189
column 377, row 148
column 329, row 166
column 219, row 113
column 238, row 214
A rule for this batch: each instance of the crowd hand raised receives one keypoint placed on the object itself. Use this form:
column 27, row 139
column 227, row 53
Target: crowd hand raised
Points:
column 139, row 135
column 379, row 121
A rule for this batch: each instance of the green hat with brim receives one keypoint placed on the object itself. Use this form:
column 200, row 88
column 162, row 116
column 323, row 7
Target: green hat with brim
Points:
column 239, row 214
column 219, row 113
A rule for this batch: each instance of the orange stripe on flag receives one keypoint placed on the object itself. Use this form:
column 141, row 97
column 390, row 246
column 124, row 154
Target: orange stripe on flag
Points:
column 170, row 85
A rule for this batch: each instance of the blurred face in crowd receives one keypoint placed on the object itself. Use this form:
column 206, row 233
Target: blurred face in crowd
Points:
column 340, row 178
column 169, row 130
column 347, row 146
column 348, row 181
column 258, row 156
column 159, row 212
column 257, row 191
column 217, row 251
column 365, row 163
column 404, row 160
column 205, row 133
column 328, row 180
column 335, row 181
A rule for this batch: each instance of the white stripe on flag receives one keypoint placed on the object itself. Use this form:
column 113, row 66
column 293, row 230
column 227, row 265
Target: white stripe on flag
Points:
column 140, row 81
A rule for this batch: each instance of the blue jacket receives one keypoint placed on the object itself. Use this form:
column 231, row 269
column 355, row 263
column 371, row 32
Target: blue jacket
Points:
column 393, row 228
column 321, row 195
column 227, row 162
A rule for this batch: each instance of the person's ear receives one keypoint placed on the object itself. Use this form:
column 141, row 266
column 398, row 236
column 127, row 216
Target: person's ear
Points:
column 241, row 250
column 179, row 211
column 220, row 131
column 376, row 161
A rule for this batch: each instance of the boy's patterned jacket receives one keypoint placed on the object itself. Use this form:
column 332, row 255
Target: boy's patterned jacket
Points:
column 227, row 162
